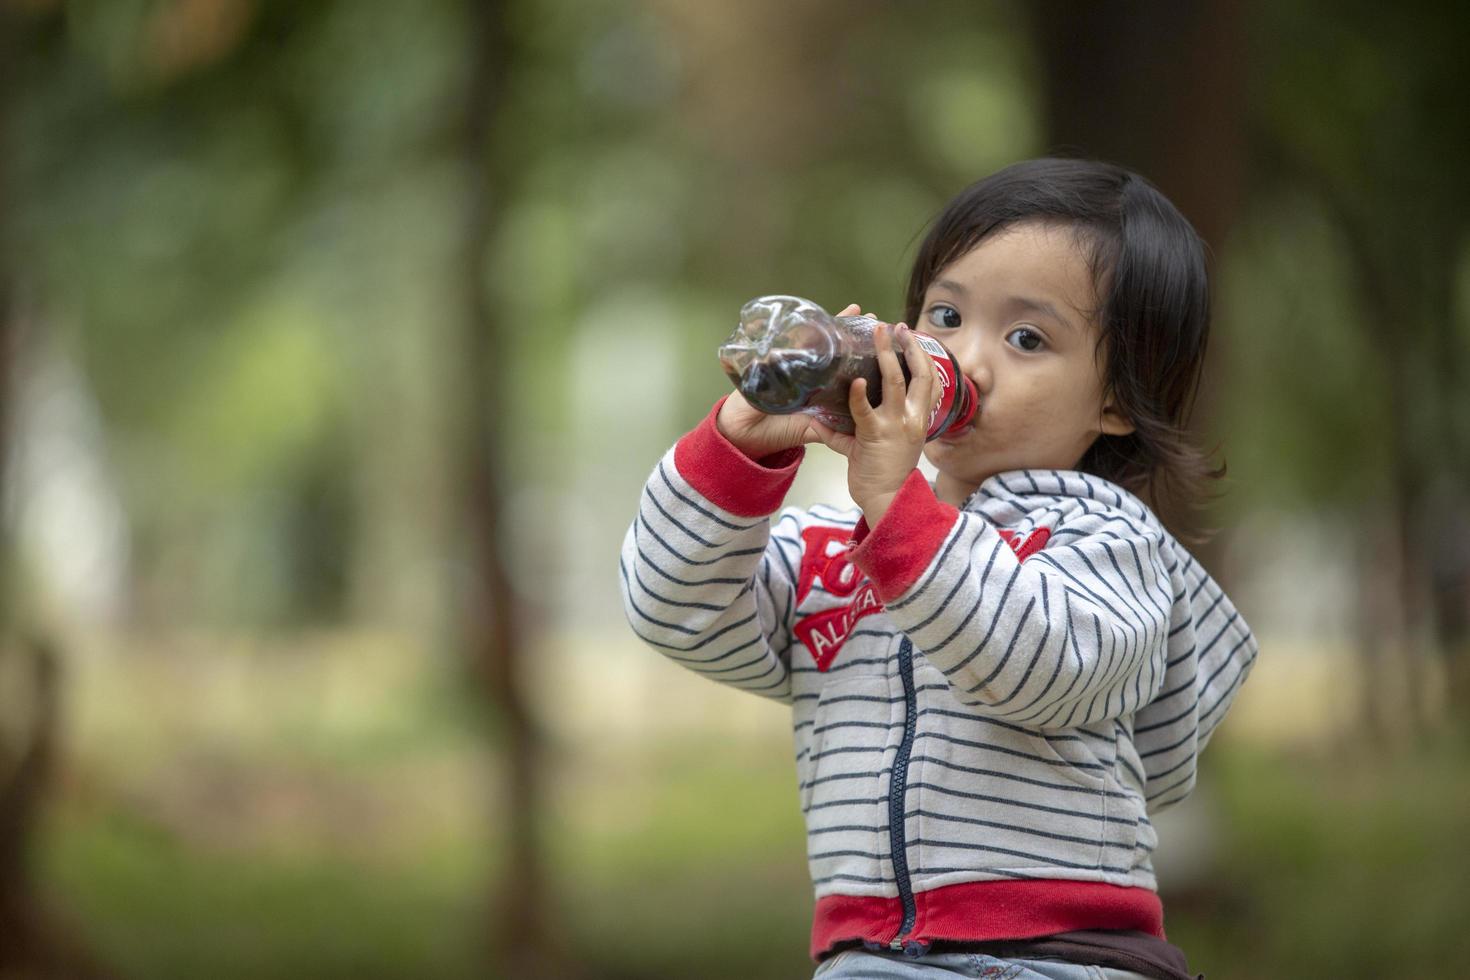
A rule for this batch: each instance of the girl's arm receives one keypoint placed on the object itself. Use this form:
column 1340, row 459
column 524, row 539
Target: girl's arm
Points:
column 1069, row 635
column 705, row 581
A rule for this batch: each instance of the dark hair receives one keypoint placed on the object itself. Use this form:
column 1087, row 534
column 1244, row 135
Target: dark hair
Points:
column 1149, row 267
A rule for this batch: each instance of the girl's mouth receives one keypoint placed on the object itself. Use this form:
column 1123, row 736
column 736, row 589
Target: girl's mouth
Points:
column 955, row 435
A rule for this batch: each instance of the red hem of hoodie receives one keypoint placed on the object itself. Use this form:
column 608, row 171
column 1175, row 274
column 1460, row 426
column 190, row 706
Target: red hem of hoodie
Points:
column 730, row 479
column 983, row 911
column 895, row 553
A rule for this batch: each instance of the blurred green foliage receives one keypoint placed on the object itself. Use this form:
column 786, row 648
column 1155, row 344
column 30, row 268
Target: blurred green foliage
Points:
column 1286, row 287
column 244, row 226
column 241, row 219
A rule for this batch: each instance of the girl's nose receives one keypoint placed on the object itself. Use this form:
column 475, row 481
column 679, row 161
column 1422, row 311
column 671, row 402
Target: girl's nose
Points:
column 982, row 376
column 975, row 363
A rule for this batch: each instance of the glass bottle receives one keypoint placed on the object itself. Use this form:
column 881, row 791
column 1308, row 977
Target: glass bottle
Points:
column 789, row 355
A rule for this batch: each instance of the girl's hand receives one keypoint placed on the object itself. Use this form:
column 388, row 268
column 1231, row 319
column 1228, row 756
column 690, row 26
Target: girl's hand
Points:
column 757, row 434
column 890, row 438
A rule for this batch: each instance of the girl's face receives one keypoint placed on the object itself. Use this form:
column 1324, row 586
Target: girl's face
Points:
column 1015, row 311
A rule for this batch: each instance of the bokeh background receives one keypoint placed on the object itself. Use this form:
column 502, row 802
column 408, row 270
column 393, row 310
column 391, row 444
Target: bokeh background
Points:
column 337, row 338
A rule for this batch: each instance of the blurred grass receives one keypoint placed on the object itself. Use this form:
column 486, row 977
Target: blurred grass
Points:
column 704, row 876
column 1343, row 863
column 152, row 906
column 354, row 847
column 665, row 857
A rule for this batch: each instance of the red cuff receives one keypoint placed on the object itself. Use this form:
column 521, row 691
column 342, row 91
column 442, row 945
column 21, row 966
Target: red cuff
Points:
column 895, row 553
column 730, row 479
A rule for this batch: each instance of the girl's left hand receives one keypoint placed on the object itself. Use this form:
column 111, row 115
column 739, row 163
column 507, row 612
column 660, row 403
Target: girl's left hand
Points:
column 890, row 438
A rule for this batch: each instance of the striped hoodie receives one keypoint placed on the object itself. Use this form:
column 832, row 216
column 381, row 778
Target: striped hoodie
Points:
column 987, row 702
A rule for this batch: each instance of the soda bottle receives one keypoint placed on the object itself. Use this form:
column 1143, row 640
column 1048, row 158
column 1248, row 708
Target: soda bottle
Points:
column 789, row 355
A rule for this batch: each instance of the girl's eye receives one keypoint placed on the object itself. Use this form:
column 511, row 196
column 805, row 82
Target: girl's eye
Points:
column 944, row 316
column 1026, row 339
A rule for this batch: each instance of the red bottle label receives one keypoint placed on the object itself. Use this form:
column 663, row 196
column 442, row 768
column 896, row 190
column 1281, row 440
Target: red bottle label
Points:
column 948, row 383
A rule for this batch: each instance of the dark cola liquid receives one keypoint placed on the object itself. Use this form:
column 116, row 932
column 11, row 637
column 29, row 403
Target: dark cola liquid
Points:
column 830, row 403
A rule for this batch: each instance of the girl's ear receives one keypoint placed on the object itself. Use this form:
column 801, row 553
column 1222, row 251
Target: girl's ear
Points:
column 1113, row 422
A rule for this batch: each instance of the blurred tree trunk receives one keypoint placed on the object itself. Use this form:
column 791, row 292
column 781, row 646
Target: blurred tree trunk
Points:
column 29, row 690
column 30, row 947
column 33, row 941
column 492, row 621
column 1157, row 86
column 1415, row 577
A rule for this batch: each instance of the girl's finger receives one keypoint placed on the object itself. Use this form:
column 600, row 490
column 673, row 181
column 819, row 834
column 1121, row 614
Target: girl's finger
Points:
column 888, row 367
column 923, row 386
column 851, row 309
column 838, row 442
column 862, row 412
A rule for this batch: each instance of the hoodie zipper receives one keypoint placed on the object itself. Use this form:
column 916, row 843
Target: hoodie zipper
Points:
column 897, row 788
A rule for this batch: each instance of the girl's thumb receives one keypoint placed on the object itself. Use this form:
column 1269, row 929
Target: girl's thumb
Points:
column 836, row 441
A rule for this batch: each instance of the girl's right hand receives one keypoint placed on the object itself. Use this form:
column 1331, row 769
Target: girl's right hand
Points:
column 757, row 434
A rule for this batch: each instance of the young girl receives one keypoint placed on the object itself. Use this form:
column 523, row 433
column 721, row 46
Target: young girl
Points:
column 994, row 679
